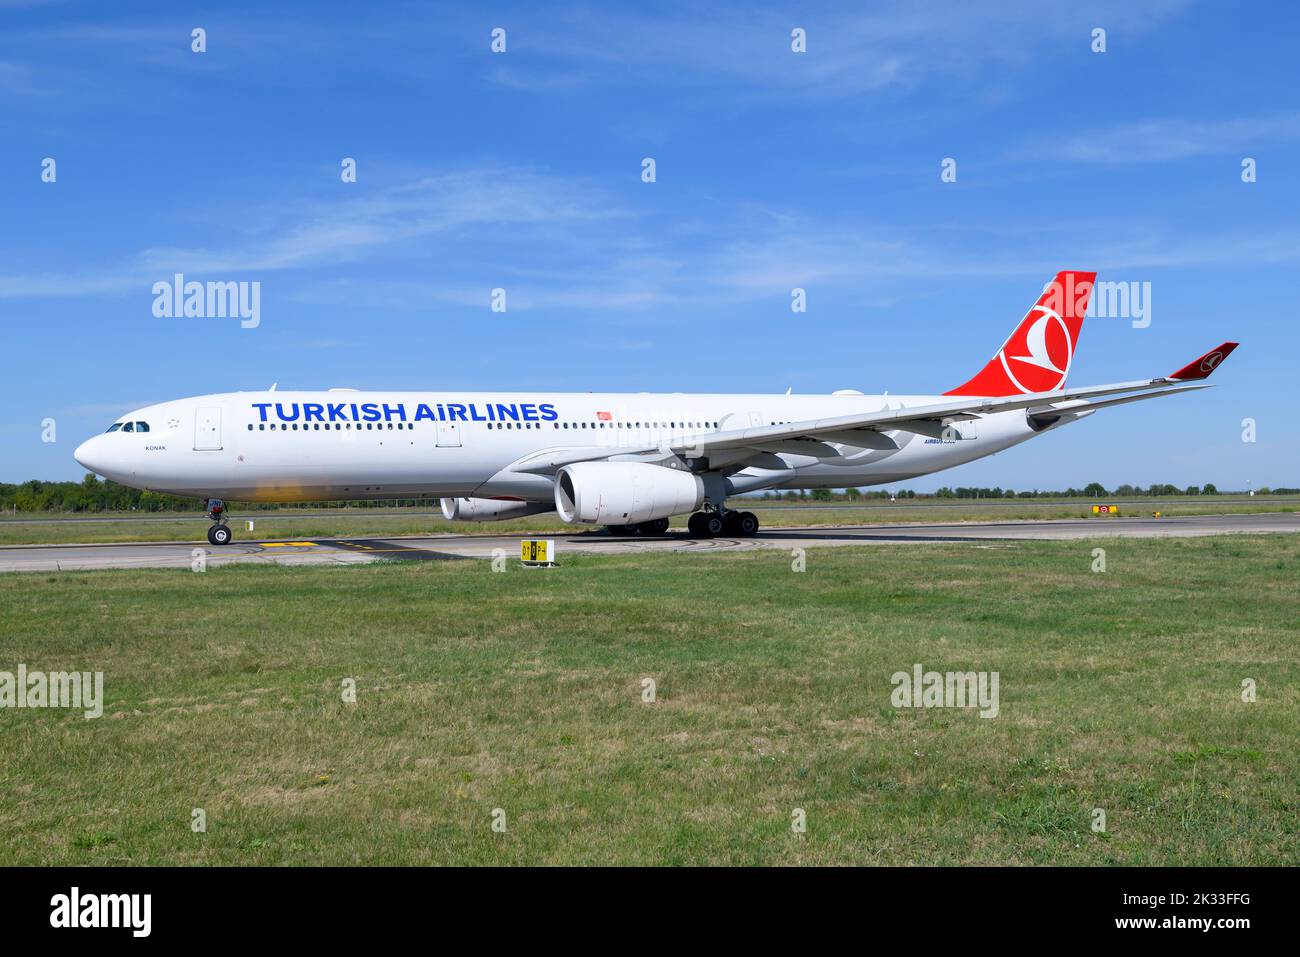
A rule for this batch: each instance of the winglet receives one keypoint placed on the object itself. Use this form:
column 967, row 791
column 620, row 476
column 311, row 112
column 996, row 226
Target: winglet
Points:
column 1202, row 367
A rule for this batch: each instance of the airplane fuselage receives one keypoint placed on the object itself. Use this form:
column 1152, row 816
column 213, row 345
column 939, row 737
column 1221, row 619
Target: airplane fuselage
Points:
column 343, row 444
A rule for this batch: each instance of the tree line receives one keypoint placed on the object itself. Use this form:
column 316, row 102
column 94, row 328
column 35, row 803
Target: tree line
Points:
column 93, row 495
column 1091, row 490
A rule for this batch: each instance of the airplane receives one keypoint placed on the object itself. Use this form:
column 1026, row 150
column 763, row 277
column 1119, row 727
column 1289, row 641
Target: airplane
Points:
column 629, row 462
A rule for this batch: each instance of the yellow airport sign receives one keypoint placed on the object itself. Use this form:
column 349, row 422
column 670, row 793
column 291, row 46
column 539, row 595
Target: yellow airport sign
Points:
column 537, row 551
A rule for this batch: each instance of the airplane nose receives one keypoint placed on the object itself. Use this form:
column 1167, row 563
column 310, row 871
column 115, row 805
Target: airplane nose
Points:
column 85, row 455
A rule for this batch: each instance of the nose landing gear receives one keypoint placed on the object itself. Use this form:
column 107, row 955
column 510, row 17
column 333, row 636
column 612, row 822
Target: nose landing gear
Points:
column 219, row 533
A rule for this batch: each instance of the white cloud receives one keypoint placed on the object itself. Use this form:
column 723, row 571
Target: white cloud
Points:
column 1164, row 140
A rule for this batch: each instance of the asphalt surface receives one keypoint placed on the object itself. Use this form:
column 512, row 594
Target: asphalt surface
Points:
column 291, row 551
column 754, row 505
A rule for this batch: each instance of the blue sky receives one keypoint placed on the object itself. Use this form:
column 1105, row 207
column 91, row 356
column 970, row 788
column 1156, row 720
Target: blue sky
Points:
column 522, row 170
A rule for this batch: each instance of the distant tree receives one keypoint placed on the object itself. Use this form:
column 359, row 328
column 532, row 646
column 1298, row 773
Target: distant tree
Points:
column 1095, row 490
column 1209, row 489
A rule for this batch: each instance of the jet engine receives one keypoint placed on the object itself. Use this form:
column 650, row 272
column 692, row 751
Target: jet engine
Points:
column 489, row 509
column 624, row 493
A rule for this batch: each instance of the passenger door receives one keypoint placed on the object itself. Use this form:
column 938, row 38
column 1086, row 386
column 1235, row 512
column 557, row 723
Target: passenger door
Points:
column 207, row 429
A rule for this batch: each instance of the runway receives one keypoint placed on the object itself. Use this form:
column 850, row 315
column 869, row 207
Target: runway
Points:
column 767, row 510
column 49, row 558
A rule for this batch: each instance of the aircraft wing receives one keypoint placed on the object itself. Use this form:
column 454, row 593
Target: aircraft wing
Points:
column 863, row 429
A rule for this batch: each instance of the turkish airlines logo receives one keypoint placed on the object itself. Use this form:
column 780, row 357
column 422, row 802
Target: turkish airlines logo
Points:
column 1037, row 357
column 604, row 416
column 1210, row 361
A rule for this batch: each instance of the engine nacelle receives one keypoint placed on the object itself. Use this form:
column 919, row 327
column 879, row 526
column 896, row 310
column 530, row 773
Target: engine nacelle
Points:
column 624, row 493
column 489, row 509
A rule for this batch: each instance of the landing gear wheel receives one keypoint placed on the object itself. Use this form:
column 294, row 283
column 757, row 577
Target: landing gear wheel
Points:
column 747, row 524
column 621, row 529
column 656, row 526
column 695, row 526
column 711, row 524
column 219, row 533
column 731, row 523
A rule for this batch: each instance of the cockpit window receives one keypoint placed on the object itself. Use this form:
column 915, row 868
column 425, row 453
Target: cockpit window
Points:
column 128, row 426
column 142, row 426
column 115, row 426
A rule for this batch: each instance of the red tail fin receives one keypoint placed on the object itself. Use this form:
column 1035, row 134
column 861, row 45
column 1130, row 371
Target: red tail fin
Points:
column 1037, row 356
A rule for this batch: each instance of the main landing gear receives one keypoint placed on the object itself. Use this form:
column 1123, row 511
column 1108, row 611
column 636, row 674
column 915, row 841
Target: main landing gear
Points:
column 654, row 527
column 710, row 524
column 219, row 533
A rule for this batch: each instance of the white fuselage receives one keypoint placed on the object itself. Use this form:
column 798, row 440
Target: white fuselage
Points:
column 344, row 444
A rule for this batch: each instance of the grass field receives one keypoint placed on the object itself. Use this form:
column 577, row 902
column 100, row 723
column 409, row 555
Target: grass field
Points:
column 523, row 691
column 344, row 523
